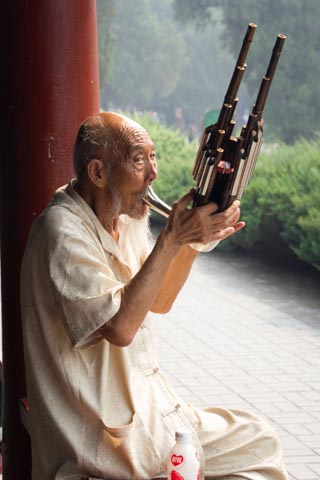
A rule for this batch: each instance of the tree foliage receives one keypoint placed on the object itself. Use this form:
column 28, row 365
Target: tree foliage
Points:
column 146, row 55
column 205, row 75
column 149, row 61
column 293, row 104
column 106, row 12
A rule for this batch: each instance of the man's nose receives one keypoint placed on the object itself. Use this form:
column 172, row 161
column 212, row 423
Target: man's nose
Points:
column 153, row 170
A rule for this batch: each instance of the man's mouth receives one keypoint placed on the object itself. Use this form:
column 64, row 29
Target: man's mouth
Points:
column 143, row 196
column 139, row 206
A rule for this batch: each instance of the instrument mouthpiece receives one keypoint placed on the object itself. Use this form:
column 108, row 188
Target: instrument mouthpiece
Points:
column 156, row 203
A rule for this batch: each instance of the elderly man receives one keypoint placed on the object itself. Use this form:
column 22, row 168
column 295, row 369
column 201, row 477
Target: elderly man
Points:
column 99, row 404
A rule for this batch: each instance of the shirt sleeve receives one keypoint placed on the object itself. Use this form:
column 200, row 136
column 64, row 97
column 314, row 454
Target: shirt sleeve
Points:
column 86, row 288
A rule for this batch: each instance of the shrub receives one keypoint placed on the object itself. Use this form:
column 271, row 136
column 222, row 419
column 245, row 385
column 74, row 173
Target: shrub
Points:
column 280, row 205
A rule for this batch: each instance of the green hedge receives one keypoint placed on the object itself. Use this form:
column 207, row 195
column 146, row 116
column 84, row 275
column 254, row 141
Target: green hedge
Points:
column 280, row 205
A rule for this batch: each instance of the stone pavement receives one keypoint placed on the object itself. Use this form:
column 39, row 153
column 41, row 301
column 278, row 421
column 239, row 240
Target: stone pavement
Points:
column 239, row 338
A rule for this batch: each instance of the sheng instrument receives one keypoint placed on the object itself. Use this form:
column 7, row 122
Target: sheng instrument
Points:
column 224, row 162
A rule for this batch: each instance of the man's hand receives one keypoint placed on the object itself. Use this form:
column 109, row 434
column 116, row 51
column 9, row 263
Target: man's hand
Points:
column 201, row 224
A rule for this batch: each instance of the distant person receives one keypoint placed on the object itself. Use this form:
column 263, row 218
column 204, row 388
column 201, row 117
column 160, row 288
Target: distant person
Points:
column 179, row 118
column 154, row 117
column 100, row 407
column 191, row 133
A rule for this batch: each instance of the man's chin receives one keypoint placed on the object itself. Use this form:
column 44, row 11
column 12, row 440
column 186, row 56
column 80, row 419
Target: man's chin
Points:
column 142, row 211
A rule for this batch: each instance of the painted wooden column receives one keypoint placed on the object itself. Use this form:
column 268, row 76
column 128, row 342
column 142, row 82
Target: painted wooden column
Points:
column 49, row 84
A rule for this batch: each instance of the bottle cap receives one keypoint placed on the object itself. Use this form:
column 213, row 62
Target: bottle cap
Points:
column 183, row 436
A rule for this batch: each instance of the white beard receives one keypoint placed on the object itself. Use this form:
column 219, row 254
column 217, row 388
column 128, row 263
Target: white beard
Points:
column 139, row 236
column 139, row 231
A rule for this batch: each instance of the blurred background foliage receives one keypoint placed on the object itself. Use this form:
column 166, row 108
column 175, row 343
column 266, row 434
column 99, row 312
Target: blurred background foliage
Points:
column 151, row 62
column 166, row 63
column 180, row 54
column 293, row 106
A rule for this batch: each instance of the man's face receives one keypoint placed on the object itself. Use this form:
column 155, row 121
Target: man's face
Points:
column 131, row 175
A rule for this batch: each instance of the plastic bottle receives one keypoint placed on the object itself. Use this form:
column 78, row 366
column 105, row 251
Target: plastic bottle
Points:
column 183, row 462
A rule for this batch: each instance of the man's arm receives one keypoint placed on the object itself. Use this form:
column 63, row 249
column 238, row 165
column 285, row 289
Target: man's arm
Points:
column 163, row 274
column 175, row 278
column 140, row 293
column 181, row 264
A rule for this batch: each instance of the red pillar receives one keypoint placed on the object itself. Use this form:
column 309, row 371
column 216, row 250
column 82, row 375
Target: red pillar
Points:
column 49, row 84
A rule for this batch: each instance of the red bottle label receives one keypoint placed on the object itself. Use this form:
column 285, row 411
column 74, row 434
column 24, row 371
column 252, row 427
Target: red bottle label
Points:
column 176, row 476
column 176, row 459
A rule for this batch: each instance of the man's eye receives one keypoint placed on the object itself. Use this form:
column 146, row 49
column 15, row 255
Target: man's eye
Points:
column 139, row 159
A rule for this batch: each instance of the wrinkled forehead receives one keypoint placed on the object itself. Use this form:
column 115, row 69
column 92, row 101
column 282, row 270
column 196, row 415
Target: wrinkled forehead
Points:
column 134, row 136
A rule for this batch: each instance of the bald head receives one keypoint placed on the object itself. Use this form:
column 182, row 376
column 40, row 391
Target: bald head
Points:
column 106, row 136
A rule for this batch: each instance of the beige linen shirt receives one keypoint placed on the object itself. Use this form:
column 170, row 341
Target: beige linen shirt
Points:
column 96, row 409
column 101, row 411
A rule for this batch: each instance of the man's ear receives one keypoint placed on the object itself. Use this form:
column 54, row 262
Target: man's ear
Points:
column 97, row 172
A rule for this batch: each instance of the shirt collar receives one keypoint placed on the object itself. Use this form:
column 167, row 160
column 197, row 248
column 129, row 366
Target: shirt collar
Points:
column 107, row 241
